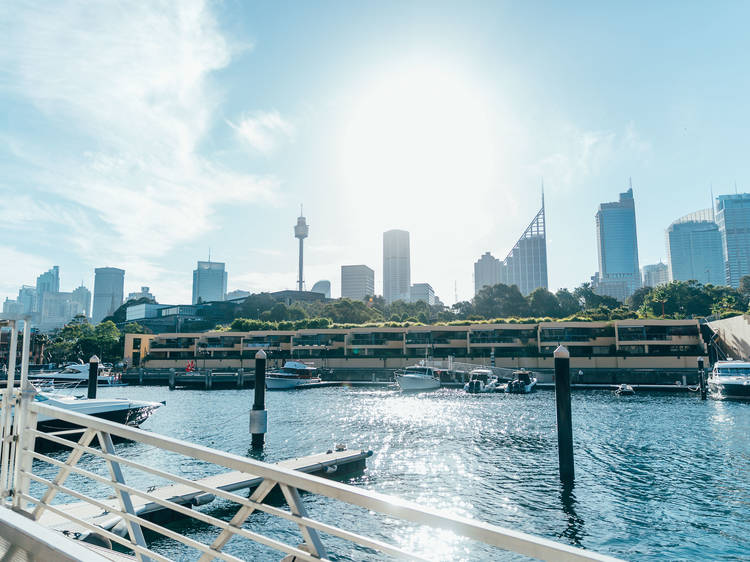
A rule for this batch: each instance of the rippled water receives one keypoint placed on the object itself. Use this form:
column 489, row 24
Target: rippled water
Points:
column 658, row 476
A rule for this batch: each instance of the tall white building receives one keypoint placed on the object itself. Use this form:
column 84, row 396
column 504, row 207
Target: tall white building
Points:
column 487, row 271
column 357, row 282
column 109, row 284
column 209, row 282
column 655, row 274
column 48, row 282
column 59, row 309
column 396, row 266
column 422, row 292
column 733, row 218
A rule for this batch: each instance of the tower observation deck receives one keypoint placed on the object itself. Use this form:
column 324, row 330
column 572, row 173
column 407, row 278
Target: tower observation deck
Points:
column 301, row 231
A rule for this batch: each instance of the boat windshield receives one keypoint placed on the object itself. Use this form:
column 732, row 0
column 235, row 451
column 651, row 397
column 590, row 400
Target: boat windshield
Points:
column 733, row 371
column 424, row 371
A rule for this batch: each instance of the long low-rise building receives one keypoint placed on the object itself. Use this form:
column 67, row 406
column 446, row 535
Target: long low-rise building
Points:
column 620, row 344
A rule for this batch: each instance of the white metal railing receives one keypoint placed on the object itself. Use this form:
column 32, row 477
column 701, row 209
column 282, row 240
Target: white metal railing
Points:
column 18, row 471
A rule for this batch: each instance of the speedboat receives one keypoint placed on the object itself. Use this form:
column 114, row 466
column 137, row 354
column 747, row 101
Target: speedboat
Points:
column 522, row 383
column 624, row 390
column 292, row 375
column 480, row 381
column 730, row 380
column 77, row 373
column 417, row 378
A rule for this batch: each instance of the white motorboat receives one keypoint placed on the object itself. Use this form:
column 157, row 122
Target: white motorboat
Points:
column 522, row 383
column 481, row 381
column 418, row 378
column 77, row 373
column 625, row 390
column 292, row 375
column 730, row 380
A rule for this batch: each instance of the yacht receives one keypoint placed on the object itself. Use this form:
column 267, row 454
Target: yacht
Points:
column 292, row 375
column 730, row 380
column 418, row 378
column 76, row 373
column 481, row 381
column 522, row 383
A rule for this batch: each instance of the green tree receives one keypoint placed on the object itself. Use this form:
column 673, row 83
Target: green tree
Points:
column 589, row 299
column 745, row 285
column 544, row 303
column 569, row 305
column 500, row 301
column 635, row 301
column 346, row 311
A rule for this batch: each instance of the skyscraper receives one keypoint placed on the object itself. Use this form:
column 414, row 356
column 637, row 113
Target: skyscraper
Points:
column 209, row 282
column 617, row 243
column 487, row 271
column 733, row 218
column 694, row 249
column 48, row 282
column 422, row 292
column 82, row 297
column 357, row 282
column 396, row 266
column 109, row 285
column 526, row 264
column 655, row 274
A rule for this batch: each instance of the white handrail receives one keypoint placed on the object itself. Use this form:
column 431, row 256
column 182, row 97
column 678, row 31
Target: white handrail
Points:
column 289, row 480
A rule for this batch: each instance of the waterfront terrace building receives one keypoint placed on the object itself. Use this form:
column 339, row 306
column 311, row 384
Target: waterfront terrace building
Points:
column 620, row 344
column 357, row 282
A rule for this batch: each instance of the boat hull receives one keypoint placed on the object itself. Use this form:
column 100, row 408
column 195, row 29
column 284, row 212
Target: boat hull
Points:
column 520, row 388
column 729, row 391
column 410, row 383
column 288, row 383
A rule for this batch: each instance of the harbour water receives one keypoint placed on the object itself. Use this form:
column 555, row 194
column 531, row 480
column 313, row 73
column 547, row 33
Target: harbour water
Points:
column 658, row 476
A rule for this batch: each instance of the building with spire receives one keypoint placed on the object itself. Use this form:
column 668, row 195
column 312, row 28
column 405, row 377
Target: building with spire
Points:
column 526, row 264
column 619, row 274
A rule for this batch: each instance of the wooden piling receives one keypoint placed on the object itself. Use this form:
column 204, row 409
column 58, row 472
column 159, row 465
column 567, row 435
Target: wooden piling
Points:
column 172, row 376
column 702, row 378
column 258, row 415
column 564, row 418
column 93, row 375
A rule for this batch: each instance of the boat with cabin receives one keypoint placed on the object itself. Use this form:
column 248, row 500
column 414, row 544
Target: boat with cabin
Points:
column 293, row 374
column 523, row 383
column 625, row 390
column 482, row 381
column 418, row 378
column 730, row 380
column 77, row 373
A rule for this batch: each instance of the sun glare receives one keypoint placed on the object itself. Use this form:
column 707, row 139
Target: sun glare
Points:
column 418, row 139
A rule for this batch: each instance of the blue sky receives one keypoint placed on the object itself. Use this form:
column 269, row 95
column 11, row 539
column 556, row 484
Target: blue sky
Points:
column 139, row 135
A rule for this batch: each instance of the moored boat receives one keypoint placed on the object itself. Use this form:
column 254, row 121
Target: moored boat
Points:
column 522, row 383
column 481, row 381
column 292, row 375
column 730, row 380
column 418, row 378
column 77, row 373
column 624, row 390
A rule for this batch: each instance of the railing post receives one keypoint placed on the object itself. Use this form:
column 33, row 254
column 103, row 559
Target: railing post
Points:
column 24, row 445
column 7, row 421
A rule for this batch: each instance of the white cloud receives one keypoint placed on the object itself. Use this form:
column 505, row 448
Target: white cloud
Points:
column 263, row 131
column 129, row 86
column 13, row 276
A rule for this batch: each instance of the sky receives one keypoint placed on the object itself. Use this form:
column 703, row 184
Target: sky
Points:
column 143, row 135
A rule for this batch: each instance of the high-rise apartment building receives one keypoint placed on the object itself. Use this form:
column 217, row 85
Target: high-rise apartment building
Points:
column 109, row 286
column 733, row 218
column 144, row 293
column 59, row 309
column 357, row 282
column 209, row 282
column 694, row 249
column 82, row 297
column 655, row 274
column 47, row 282
column 423, row 292
column 617, row 243
column 526, row 264
column 487, row 271
column 396, row 266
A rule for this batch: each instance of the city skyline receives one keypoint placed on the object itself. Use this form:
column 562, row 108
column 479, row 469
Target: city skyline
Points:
column 178, row 160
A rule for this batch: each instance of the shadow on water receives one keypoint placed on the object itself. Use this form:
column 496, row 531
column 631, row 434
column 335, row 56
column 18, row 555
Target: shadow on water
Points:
column 574, row 530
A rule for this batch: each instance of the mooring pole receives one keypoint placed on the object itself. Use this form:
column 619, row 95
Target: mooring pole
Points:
column 172, row 377
column 258, row 415
column 564, row 419
column 702, row 378
column 93, row 375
